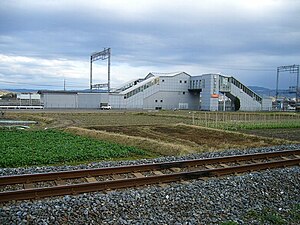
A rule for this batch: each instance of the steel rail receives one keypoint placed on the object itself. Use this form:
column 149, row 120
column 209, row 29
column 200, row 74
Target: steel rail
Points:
column 29, row 178
column 132, row 182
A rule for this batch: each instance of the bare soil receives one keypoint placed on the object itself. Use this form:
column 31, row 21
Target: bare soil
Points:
column 192, row 136
column 163, row 133
column 287, row 134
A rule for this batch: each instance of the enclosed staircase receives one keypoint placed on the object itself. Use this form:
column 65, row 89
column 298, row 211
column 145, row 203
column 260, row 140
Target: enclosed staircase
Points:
column 233, row 88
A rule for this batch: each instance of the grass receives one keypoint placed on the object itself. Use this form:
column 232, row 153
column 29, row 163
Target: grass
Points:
column 229, row 223
column 157, row 132
column 28, row 148
column 177, row 139
column 271, row 216
column 257, row 125
column 153, row 146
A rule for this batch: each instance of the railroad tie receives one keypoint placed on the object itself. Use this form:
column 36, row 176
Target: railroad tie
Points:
column 116, row 177
column 28, row 186
column 138, row 175
column 175, row 169
column 60, row 182
column 241, row 163
column 209, row 167
column 224, row 165
column 90, row 179
column 157, row 172
column 284, row 158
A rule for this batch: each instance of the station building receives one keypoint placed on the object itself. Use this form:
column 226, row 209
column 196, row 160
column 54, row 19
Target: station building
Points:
column 211, row 92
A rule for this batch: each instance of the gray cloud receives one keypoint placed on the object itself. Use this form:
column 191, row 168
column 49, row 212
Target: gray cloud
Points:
column 244, row 38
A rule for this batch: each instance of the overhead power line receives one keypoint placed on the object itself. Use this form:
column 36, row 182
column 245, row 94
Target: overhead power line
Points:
column 38, row 85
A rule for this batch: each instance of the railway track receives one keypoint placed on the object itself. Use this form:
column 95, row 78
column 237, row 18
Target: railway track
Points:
column 34, row 186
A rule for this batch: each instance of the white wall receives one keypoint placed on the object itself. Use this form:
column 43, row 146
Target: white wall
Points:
column 60, row 100
column 91, row 100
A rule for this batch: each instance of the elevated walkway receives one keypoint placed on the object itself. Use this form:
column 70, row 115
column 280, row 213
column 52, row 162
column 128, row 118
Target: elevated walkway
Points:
column 233, row 88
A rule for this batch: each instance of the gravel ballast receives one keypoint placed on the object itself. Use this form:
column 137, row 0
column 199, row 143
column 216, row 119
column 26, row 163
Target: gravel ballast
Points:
column 243, row 199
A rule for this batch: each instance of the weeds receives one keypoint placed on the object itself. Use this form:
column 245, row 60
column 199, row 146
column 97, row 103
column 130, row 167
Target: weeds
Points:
column 271, row 216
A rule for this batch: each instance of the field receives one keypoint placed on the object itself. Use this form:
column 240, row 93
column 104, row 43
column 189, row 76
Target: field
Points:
column 140, row 134
column 27, row 148
column 190, row 138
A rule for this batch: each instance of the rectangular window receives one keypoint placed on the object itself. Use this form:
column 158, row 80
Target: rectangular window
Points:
column 155, row 100
column 185, row 81
column 161, row 100
column 180, row 81
column 183, row 93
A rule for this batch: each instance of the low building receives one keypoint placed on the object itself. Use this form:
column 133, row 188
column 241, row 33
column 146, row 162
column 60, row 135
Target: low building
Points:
column 167, row 91
column 72, row 100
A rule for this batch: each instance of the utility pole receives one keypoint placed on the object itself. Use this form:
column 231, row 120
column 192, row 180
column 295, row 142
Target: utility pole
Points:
column 292, row 69
column 64, row 84
column 105, row 54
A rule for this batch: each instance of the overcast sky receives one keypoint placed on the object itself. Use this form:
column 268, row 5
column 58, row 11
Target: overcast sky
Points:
column 43, row 42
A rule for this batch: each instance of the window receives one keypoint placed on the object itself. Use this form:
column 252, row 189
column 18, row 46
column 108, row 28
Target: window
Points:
column 162, row 80
column 185, row 81
column 155, row 100
column 183, row 93
column 161, row 100
column 180, row 81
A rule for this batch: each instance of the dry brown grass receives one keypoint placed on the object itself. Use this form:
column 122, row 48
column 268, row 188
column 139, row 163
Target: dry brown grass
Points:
column 176, row 139
column 160, row 133
column 158, row 147
column 266, row 140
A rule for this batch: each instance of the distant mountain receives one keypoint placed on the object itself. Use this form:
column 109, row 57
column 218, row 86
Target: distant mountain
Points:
column 36, row 90
column 263, row 91
column 271, row 92
column 22, row 90
column 257, row 88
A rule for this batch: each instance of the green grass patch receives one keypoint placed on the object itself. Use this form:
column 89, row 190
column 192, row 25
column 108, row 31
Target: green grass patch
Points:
column 272, row 125
column 271, row 216
column 29, row 147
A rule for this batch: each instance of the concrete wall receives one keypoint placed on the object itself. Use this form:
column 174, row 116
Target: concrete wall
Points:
column 91, row 100
column 74, row 100
column 266, row 104
column 117, row 101
column 210, row 86
column 60, row 100
column 171, row 93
